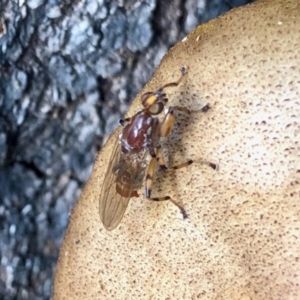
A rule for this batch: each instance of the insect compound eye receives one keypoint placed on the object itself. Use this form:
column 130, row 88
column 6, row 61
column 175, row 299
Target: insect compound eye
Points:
column 156, row 109
column 148, row 99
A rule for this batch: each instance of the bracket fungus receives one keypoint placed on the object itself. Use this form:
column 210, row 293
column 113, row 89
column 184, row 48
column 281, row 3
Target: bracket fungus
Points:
column 242, row 237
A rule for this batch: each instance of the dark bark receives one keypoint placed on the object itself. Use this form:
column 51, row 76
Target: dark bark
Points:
column 69, row 70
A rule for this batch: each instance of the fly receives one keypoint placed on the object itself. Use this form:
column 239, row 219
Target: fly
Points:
column 140, row 136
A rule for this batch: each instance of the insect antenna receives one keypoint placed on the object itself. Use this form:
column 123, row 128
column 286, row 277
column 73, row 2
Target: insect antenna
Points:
column 183, row 72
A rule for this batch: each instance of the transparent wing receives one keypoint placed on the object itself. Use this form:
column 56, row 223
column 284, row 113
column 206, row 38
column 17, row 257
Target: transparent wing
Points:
column 120, row 182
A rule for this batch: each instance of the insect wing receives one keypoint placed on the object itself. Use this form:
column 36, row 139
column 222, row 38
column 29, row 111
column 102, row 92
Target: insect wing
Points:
column 117, row 188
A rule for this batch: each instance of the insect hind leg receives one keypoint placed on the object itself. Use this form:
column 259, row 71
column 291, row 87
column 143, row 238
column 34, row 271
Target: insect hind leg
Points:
column 166, row 198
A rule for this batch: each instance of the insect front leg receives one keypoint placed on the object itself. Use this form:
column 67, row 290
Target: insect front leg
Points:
column 169, row 119
column 187, row 111
column 165, row 129
column 167, row 123
column 123, row 121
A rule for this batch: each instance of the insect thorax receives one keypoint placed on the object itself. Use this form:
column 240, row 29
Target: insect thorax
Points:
column 140, row 133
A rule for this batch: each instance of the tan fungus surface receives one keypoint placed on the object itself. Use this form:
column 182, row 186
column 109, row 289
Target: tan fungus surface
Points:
column 242, row 238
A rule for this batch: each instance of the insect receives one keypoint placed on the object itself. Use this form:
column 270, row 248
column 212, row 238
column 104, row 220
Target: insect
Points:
column 140, row 136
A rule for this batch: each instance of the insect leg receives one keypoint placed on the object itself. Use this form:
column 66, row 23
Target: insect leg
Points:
column 183, row 109
column 123, row 121
column 149, row 182
column 151, row 169
column 165, row 128
column 190, row 161
column 165, row 198
column 167, row 123
column 150, row 174
column 183, row 72
column 169, row 119
column 149, row 177
column 160, row 159
column 163, row 167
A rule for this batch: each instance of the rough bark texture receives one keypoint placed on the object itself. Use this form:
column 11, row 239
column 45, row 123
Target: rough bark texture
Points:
column 69, row 70
column 241, row 240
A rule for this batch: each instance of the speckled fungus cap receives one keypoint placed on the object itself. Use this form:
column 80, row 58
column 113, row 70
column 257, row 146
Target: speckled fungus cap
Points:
column 241, row 240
